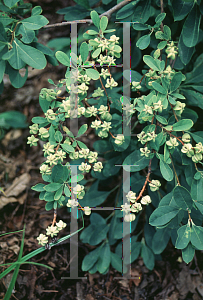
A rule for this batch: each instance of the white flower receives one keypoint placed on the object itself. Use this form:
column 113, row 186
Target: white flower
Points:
column 72, row 203
column 102, row 109
column 92, row 157
column 148, row 109
column 125, row 208
column 60, row 225
column 154, row 185
column 45, row 169
column 131, row 196
column 136, row 207
column 52, row 231
column 48, row 148
column 97, row 167
column 61, row 155
column 106, row 126
column 104, row 73
column 114, row 38
column 84, row 167
column 96, row 124
column 52, row 159
column 146, row 200
column 129, row 217
column 110, row 83
column 42, row 239
column 83, row 153
column 87, row 210
column 119, row 139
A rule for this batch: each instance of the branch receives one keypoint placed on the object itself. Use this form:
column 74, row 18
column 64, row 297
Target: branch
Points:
column 108, row 14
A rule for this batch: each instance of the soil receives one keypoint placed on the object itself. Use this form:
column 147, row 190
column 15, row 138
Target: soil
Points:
column 171, row 279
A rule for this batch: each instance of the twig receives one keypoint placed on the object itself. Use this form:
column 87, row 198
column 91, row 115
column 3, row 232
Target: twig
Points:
column 108, row 14
column 174, row 170
column 146, row 180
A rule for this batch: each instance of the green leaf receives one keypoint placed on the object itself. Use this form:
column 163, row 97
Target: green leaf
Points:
column 148, row 257
column 160, row 17
column 84, row 51
column 84, row 3
column 103, row 23
column 96, row 52
column 185, row 52
column 37, row 10
column 166, row 171
column 63, row 58
column 27, row 34
column 38, row 187
column 15, row 61
column 104, row 258
column 58, row 136
column 159, row 88
column 162, row 45
column 190, row 29
column 162, row 215
column 2, row 69
column 82, row 130
column 182, row 197
column 57, row 173
column 162, row 235
column 161, row 119
column 95, row 18
column 30, row 55
column 49, row 205
column 197, row 190
column 67, row 148
column 52, row 187
column 167, row 32
column 183, row 125
column 181, row 9
column 184, row 237
column 116, row 262
column 188, row 253
column 127, row 10
column 136, row 161
column 10, row 3
column 151, row 62
column 99, row 234
column 175, row 82
column 82, row 145
column 90, row 259
column 142, row 12
column 197, row 136
column 12, row 119
column 58, row 193
column 197, row 236
column 35, row 22
column 143, row 42
column 94, row 74
column 38, row 120
column 16, row 80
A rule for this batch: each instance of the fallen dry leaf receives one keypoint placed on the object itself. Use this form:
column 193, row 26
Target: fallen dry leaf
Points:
column 17, row 187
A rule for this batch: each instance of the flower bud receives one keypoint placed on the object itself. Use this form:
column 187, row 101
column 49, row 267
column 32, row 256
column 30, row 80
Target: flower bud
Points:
column 186, row 138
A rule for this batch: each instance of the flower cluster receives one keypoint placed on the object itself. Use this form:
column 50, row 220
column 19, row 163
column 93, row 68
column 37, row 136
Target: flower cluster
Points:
column 134, row 207
column 51, row 231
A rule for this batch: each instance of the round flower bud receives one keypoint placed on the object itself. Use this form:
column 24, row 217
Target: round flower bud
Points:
column 186, row 138
column 146, row 200
column 154, row 185
column 106, row 116
column 119, row 140
column 197, row 157
column 44, row 133
column 87, row 210
column 129, row 217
